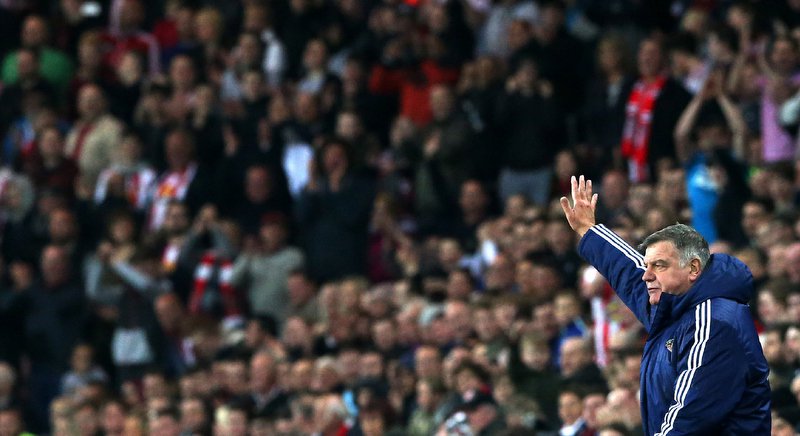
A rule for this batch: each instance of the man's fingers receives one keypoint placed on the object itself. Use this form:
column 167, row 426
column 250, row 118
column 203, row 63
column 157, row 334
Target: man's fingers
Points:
column 565, row 205
column 589, row 189
column 567, row 209
column 574, row 185
column 582, row 187
column 594, row 201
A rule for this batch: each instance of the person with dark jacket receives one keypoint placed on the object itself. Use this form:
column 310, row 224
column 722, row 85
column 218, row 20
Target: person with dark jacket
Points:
column 528, row 118
column 703, row 370
column 56, row 314
column 333, row 214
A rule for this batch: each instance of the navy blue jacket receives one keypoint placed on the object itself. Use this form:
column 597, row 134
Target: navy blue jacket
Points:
column 703, row 369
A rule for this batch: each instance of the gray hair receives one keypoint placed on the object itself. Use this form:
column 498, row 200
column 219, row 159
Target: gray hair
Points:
column 689, row 243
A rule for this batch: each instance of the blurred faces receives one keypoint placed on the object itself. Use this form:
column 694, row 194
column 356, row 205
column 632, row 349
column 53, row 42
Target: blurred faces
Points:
column 55, row 266
column 262, row 373
column 427, row 362
column 441, row 99
column 179, row 150
column 113, row 419
column 27, row 64
column 650, row 59
column 51, row 144
column 193, row 415
column 34, row 32
column 91, row 102
column 334, row 158
column 182, row 73
column 169, row 312
column 575, row 355
column 783, row 55
column 10, row 423
column 164, row 425
column 473, row 199
column 570, row 407
column 257, row 185
column 315, row 55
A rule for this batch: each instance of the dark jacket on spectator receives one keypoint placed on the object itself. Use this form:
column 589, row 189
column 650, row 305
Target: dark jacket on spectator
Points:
column 531, row 133
column 334, row 227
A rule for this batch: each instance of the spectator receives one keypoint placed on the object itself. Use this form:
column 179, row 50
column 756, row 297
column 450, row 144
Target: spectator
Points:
column 334, row 207
column 525, row 163
column 260, row 20
column 604, row 111
column 184, row 180
column 95, row 135
column 21, row 102
column 569, row 411
column 54, row 65
column 128, row 176
column 125, row 33
column 271, row 257
column 11, row 423
column 48, row 166
column 577, row 364
column 83, row 371
column 653, row 105
column 56, row 312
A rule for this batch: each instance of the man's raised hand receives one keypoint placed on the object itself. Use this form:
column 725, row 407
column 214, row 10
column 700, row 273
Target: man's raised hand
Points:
column 580, row 215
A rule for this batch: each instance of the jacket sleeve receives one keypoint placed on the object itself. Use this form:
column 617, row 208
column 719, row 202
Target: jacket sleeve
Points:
column 711, row 376
column 621, row 265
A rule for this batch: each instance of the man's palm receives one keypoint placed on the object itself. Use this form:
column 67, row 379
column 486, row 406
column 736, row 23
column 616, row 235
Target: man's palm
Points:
column 581, row 215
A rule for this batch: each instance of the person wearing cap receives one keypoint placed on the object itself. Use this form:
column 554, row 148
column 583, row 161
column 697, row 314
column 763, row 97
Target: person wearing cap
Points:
column 703, row 370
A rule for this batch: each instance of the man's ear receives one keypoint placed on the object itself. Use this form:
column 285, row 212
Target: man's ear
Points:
column 694, row 269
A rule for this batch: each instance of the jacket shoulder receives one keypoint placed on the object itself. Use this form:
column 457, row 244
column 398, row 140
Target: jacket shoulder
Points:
column 725, row 314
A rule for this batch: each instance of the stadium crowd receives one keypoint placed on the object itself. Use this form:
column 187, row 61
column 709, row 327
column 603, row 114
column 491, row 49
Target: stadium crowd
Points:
column 312, row 217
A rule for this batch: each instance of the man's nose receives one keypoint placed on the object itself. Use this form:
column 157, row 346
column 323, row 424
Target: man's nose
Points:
column 648, row 275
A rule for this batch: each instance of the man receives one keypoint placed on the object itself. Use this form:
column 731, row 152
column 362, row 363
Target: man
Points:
column 570, row 411
column 652, row 111
column 184, row 179
column 54, row 66
column 267, row 397
column 11, row 423
column 96, row 134
column 703, row 370
column 165, row 423
column 577, row 364
column 264, row 266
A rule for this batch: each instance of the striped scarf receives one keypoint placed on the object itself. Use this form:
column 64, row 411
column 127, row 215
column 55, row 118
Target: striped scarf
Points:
column 638, row 122
column 221, row 296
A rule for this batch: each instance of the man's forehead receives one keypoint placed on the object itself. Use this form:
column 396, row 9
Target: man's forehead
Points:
column 660, row 250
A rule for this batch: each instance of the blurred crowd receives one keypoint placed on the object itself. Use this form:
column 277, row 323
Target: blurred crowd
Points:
column 310, row 217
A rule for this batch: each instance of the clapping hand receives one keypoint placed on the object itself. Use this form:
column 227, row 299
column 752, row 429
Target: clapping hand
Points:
column 581, row 215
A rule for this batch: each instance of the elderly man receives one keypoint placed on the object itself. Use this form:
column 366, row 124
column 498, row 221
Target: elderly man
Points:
column 703, row 371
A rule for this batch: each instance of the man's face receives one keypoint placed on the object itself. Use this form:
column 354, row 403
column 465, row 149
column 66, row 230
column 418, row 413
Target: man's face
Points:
column 649, row 58
column 193, row 416
column 34, row 32
column 90, row 101
column 664, row 273
column 10, row 423
column 55, row 266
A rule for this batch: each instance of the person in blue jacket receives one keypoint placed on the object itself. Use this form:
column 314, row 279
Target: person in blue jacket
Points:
column 703, row 369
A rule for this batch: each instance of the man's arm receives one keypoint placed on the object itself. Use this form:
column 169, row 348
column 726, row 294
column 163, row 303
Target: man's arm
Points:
column 621, row 265
column 712, row 376
column 614, row 258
